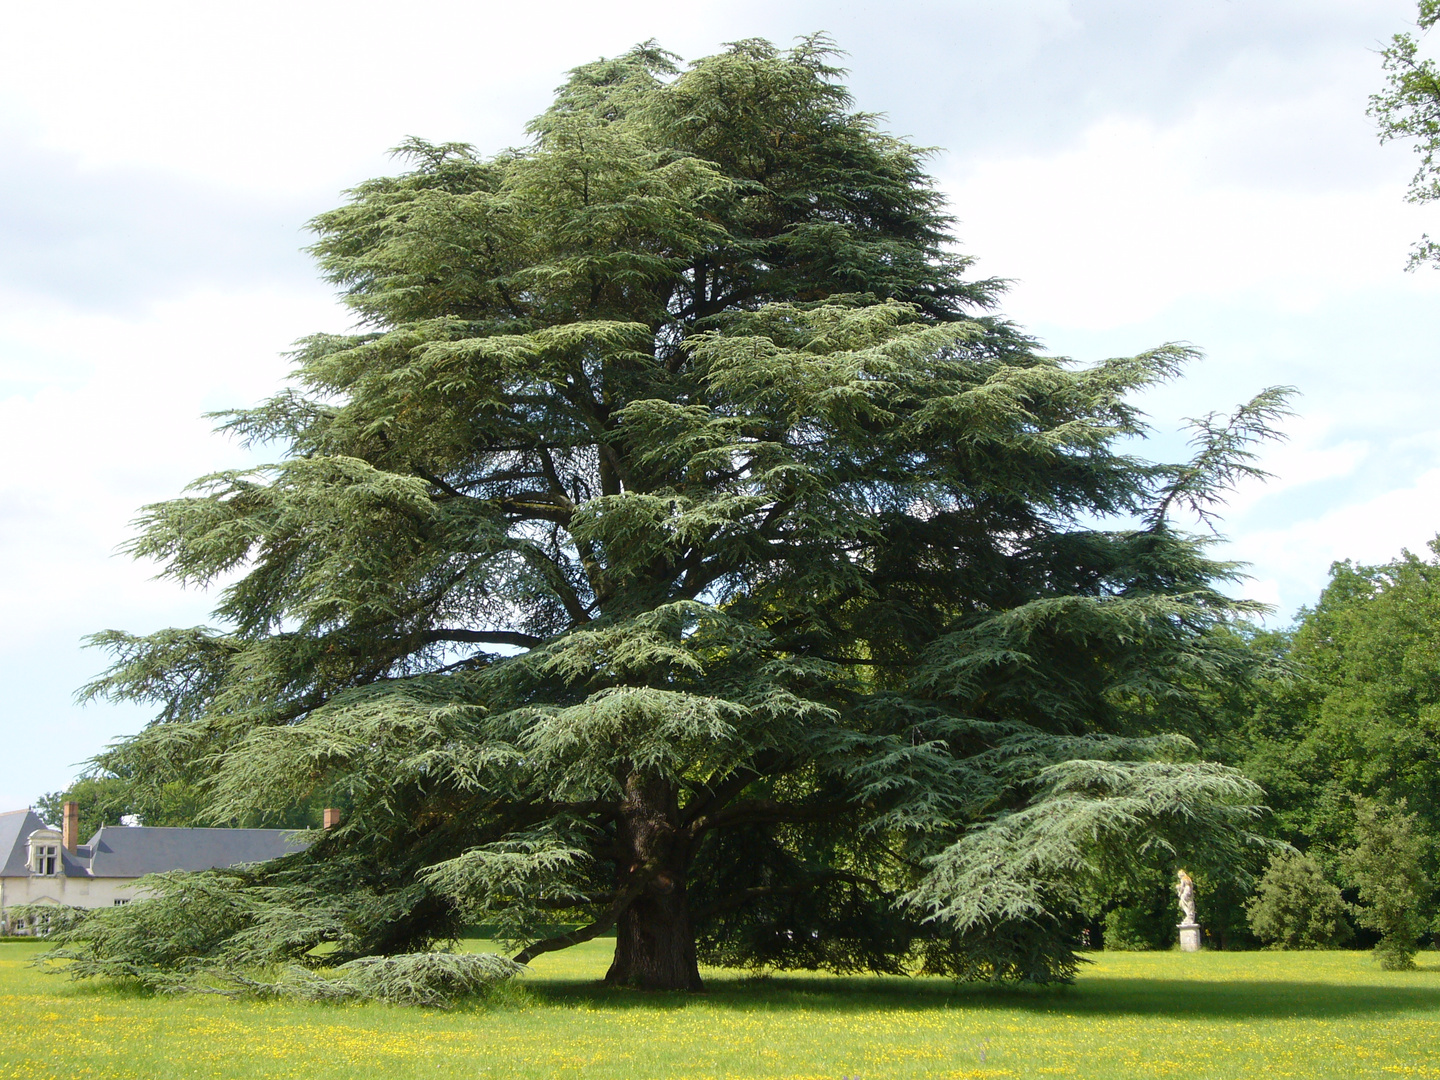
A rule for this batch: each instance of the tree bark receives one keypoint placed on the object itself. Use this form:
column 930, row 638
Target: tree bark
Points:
column 654, row 942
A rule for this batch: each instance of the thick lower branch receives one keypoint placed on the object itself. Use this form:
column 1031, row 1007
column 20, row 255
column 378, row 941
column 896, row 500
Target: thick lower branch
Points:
column 482, row 637
column 717, row 796
column 766, row 811
column 758, row 892
column 633, row 888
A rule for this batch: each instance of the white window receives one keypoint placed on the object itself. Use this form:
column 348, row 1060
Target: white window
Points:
column 45, row 859
column 119, row 902
column 45, row 856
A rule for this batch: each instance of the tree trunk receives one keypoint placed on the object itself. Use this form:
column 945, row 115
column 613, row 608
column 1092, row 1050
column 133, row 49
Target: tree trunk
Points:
column 654, row 944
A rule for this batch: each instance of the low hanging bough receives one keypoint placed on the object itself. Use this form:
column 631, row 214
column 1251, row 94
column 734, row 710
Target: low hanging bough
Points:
column 216, row 932
column 684, row 550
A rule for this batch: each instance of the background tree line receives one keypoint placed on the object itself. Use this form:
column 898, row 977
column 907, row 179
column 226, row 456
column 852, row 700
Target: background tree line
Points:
column 1342, row 730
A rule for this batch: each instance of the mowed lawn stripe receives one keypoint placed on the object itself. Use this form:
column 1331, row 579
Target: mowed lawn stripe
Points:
column 1130, row 1015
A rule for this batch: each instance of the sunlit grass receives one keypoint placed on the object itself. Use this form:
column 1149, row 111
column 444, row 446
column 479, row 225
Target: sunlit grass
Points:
column 1130, row 1015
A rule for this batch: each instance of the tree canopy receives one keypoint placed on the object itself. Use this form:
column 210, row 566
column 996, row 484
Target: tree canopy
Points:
column 682, row 545
column 1409, row 108
column 1356, row 715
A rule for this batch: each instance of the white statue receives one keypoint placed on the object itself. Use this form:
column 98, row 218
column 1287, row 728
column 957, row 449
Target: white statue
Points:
column 1185, row 890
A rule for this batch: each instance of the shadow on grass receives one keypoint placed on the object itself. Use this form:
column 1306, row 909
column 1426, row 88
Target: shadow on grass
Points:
column 1094, row 996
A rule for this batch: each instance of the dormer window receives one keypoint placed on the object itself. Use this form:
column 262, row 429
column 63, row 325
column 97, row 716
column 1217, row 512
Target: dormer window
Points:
column 44, row 859
column 45, row 852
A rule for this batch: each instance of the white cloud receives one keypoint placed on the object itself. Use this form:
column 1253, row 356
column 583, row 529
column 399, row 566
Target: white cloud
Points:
column 1126, row 224
column 1306, row 456
column 100, row 414
column 121, row 428
column 1374, row 530
column 272, row 95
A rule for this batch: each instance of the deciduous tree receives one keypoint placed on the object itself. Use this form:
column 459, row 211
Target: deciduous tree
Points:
column 1409, row 108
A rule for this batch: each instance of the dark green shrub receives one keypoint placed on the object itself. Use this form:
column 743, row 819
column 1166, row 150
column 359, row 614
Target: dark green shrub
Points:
column 1387, row 867
column 1221, row 898
column 1297, row 907
column 1140, row 927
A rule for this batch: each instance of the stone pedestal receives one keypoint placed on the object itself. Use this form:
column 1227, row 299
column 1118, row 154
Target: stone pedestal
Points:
column 1189, row 937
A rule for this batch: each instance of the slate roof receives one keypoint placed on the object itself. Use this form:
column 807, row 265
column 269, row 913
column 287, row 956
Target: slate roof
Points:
column 120, row 851
column 129, row 851
column 15, row 828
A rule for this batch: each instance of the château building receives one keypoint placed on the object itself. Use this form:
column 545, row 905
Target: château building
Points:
column 42, row 864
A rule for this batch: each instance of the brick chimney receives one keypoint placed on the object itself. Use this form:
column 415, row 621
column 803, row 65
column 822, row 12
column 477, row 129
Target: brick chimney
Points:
column 332, row 817
column 70, row 828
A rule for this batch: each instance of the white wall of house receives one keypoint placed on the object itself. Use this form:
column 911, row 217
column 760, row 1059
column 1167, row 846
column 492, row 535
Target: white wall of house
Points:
column 71, row 891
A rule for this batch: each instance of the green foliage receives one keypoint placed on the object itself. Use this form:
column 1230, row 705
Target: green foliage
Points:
column 1137, row 909
column 1409, row 108
column 1297, row 907
column 184, row 926
column 683, row 547
column 1387, row 867
column 430, row 979
column 193, row 924
column 1141, row 913
column 1356, row 712
column 1221, row 895
column 105, row 799
column 47, row 920
column 1348, row 708
column 1265, row 727
column 1137, row 928
column 1092, row 822
column 1373, row 647
column 206, row 933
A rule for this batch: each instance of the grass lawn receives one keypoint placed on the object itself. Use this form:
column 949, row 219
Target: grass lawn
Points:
column 1130, row 1015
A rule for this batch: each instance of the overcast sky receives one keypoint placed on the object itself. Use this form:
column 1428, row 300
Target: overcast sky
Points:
column 1143, row 171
